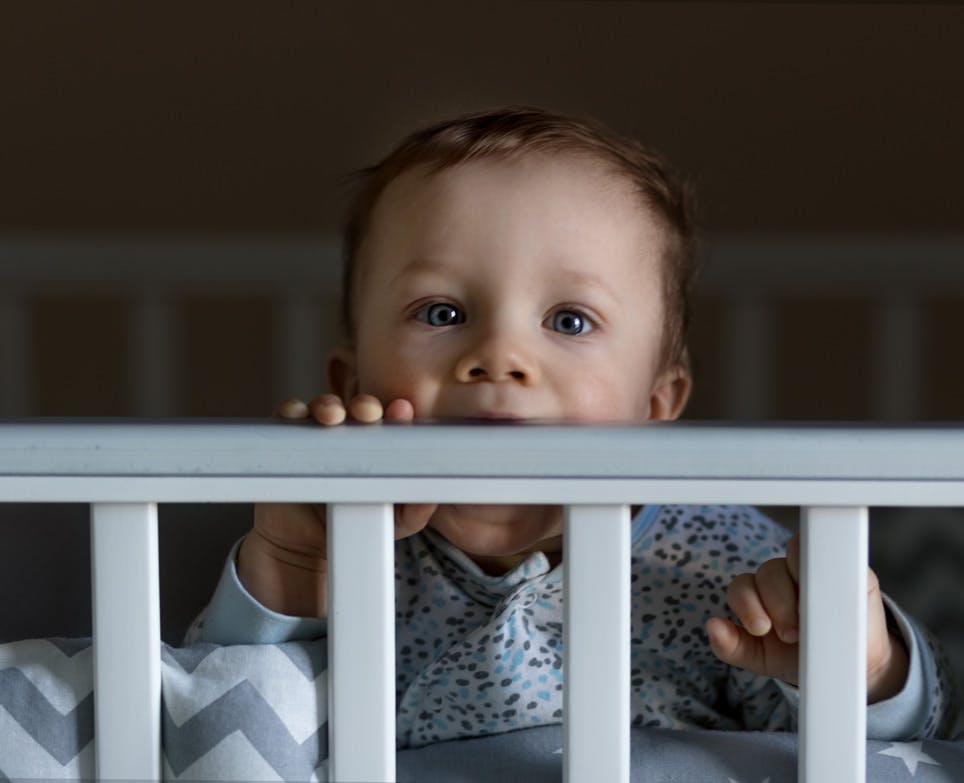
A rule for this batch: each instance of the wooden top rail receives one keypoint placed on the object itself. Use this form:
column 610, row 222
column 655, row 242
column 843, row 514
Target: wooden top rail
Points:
column 256, row 448
column 666, row 462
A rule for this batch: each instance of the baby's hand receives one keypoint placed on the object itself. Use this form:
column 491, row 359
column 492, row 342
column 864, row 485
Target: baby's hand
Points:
column 283, row 561
column 766, row 641
column 329, row 410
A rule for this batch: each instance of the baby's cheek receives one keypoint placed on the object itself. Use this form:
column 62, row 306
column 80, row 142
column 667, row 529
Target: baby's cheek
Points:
column 400, row 384
column 599, row 399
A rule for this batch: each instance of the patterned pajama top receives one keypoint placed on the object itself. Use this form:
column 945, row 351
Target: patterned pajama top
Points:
column 478, row 654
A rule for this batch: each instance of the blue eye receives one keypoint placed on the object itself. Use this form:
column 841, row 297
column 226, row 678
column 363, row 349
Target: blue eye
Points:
column 569, row 322
column 441, row 314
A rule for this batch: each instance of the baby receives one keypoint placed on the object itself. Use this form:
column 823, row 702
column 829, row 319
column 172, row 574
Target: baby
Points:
column 522, row 265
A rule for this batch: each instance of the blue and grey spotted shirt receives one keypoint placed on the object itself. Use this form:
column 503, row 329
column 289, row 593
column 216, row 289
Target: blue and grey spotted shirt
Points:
column 478, row 654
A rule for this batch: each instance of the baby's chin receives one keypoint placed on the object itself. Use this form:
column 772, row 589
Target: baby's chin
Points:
column 502, row 513
column 497, row 530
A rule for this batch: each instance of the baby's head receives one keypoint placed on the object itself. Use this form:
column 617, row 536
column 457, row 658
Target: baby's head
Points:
column 498, row 252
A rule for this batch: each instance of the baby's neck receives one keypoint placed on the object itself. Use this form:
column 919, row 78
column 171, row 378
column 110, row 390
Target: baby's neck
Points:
column 497, row 565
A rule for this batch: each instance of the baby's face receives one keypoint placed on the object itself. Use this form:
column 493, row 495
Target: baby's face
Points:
column 527, row 289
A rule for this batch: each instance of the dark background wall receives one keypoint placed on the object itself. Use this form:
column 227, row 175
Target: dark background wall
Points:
column 242, row 120
column 243, row 116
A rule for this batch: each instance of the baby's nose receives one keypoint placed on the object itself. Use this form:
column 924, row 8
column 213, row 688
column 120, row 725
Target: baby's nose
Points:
column 495, row 361
column 480, row 373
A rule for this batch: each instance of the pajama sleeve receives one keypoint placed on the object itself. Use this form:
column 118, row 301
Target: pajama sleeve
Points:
column 234, row 616
column 922, row 709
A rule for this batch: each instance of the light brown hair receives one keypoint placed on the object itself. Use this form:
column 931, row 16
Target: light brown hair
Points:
column 511, row 131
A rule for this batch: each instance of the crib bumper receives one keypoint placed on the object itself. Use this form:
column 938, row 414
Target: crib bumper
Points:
column 259, row 712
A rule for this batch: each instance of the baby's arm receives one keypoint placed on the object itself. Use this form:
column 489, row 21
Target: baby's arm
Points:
column 282, row 562
column 766, row 604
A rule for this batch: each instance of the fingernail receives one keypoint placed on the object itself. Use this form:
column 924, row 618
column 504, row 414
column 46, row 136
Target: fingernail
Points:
column 293, row 409
column 759, row 627
column 366, row 410
column 331, row 413
column 790, row 636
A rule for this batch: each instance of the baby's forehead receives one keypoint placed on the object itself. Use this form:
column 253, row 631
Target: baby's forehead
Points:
column 583, row 164
column 434, row 190
column 522, row 207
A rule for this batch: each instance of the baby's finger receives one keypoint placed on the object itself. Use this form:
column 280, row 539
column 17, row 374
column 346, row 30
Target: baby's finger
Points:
column 412, row 517
column 793, row 557
column 399, row 410
column 763, row 655
column 742, row 597
column 728, row 643
column 778, row 592
column 365, row 408
column 327, row 409
column 291, row 409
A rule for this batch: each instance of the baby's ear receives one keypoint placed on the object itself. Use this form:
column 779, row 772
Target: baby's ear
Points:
column 342, row 374
column 671, row 390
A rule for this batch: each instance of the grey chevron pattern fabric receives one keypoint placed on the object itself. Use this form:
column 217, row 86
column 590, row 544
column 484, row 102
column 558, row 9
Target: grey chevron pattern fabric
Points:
column 254, row 712
column 62, row 736
column 46, row 710
column 263, row 706
column 257, row 713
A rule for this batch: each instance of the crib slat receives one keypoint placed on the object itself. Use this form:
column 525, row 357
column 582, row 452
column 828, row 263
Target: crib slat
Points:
column 14, row 353
column 748, row 344
column 126, row 641
column 153, row 359
column 898, row 338
column 596, row 643
column 361, row 642
column 833, row 645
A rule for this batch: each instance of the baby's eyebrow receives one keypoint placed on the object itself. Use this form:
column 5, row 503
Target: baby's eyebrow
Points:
column 580, row 279
column 418, row 266
column 570, row 278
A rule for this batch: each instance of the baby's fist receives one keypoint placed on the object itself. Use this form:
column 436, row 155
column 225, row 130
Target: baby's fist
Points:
column 766, row 641
column 766, row 605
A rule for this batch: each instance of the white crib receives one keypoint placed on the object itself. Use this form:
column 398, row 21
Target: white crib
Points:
column 123, row 469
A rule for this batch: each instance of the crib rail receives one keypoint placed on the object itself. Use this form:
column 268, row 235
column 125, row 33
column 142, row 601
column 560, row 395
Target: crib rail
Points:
column 124, row 468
